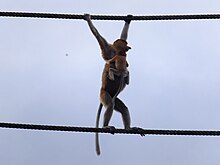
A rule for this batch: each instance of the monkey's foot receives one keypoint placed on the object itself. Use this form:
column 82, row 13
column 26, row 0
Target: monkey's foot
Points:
column 138, row 130
column 111, row 129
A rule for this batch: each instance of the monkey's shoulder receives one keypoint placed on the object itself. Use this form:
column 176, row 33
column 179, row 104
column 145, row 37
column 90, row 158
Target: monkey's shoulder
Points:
column 108, row 52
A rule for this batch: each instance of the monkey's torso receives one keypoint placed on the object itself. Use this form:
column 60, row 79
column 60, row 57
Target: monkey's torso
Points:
column 112, row 86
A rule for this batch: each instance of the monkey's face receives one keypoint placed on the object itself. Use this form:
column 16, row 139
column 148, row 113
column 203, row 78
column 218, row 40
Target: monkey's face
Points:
column 121, row 45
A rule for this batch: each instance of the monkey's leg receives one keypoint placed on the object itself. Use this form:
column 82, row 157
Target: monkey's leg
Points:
column 107, row 101
column 121, row 107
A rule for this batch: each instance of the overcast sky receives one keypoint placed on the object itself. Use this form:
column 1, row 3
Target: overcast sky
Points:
column 50, row 73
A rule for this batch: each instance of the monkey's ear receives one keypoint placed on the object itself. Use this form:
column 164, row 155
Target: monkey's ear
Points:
column 128, row 18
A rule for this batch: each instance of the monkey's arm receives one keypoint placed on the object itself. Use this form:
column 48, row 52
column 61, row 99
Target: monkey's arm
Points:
column 104, row 45
column 124, row 33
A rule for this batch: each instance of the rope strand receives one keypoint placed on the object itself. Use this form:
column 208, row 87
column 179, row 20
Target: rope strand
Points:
column 107, row 130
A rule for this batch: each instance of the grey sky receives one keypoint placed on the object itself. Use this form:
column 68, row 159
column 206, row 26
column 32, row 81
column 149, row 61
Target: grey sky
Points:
column 175, row 77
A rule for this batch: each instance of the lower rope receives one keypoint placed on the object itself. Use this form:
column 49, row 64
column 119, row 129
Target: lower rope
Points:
column 106, row 130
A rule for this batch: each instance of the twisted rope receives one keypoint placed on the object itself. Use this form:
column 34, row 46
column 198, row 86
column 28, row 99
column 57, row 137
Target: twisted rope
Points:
column 107, row 130
column 110, row 17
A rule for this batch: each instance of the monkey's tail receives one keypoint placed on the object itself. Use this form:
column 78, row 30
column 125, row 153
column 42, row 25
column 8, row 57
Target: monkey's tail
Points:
column 97, row 126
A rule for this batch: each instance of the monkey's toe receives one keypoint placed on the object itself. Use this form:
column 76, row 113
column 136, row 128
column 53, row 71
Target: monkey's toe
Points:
column 139, row 130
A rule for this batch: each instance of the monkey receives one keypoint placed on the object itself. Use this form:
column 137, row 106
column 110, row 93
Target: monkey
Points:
column 115, row 71
column 118, row 64
column 110, row 88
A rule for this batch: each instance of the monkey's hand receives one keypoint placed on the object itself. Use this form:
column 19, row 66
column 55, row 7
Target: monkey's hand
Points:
column 111, row 129
column 126, row 73
column 111, row 75
column 87, row 17
column 138, row 130
column 128, row 19
column 126, row 79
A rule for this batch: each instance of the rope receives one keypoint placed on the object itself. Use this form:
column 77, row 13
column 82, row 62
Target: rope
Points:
column 108, row 17
column 108, row 130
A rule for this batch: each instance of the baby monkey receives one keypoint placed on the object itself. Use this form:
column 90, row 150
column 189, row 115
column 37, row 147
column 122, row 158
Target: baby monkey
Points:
column 118, row 64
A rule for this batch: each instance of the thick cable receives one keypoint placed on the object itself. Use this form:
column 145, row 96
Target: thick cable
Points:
column 107, row 130
column 110, row 17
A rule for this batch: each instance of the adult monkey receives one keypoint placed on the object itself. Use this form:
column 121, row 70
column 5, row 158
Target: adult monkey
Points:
column 112, row 86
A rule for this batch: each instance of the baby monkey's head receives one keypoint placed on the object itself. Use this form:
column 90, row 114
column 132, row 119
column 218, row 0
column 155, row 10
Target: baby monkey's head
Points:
column 121, row 45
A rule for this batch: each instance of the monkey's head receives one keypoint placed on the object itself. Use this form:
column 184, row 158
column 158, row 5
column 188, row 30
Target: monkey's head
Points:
column 121, row 45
